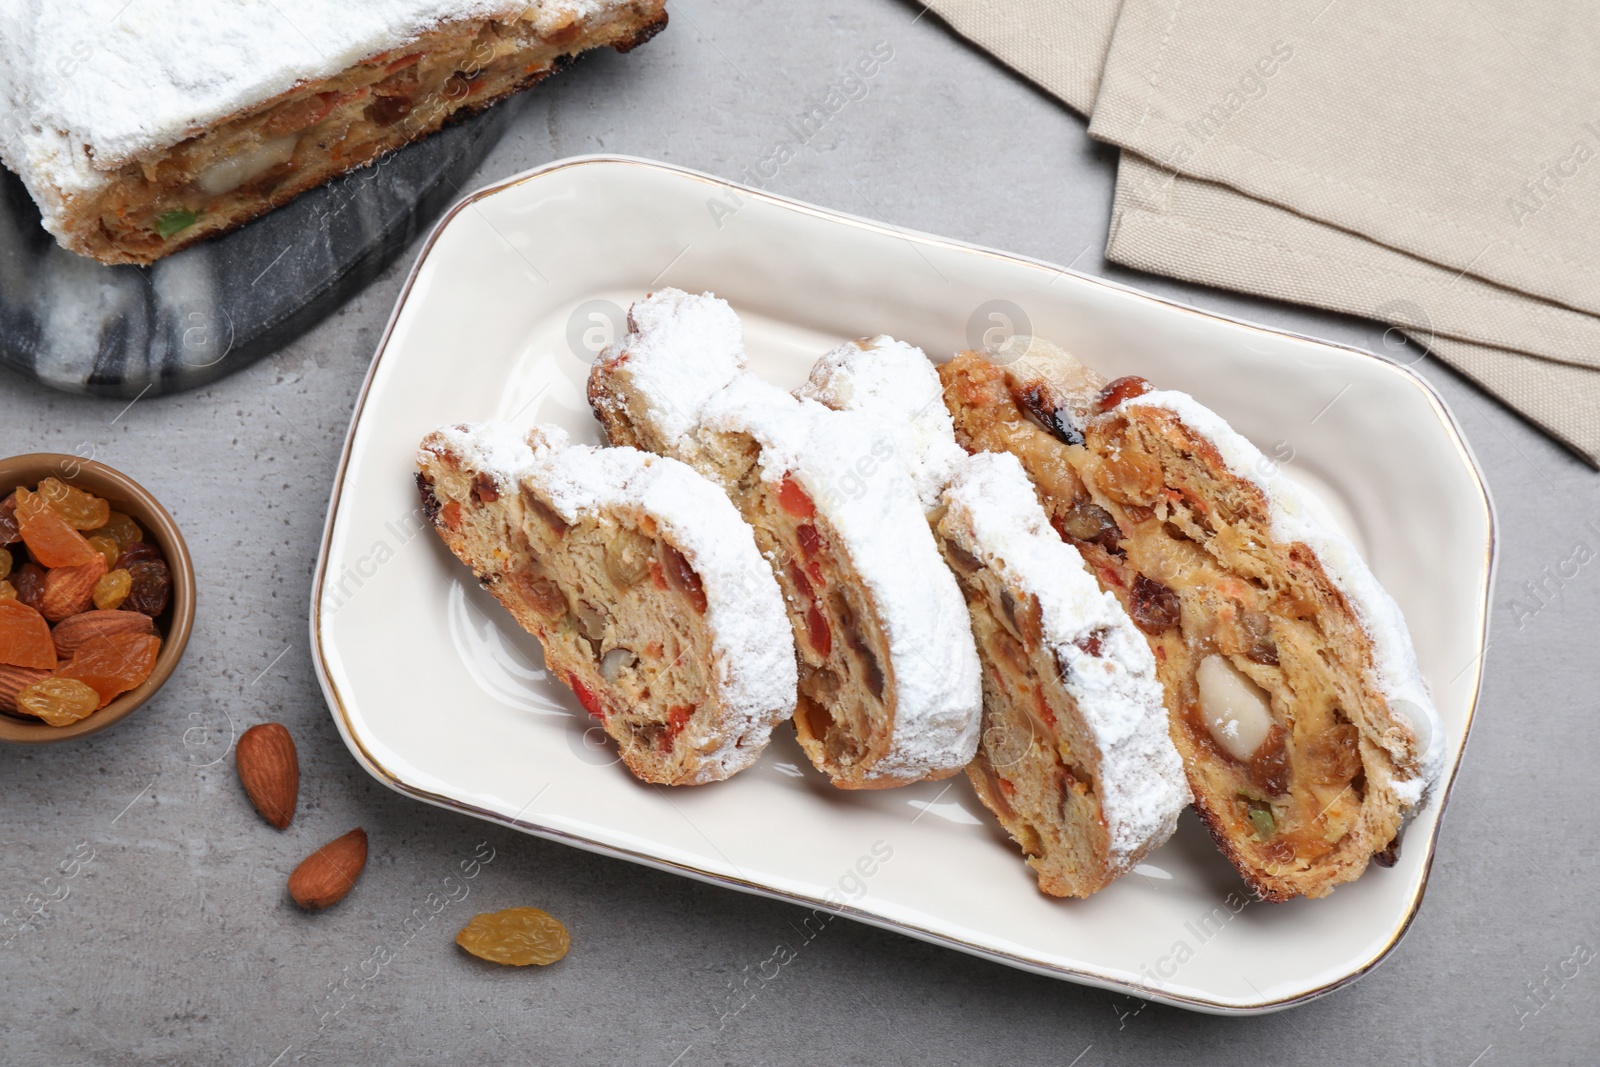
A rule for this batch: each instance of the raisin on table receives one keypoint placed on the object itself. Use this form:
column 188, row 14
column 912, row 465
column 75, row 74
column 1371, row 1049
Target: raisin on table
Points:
column 516, row 936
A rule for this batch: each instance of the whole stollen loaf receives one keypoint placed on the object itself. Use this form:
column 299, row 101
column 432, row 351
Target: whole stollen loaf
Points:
column 141, row 128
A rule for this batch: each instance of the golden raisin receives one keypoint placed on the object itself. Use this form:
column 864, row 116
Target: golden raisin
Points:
column 50, row 539
column 518, row 936
column 83, row 511
column 112, row 589
column 119, row 528
column 5, row 563
column 58, row 701
column 112, row 665
column 7, row 591
column 107, row 548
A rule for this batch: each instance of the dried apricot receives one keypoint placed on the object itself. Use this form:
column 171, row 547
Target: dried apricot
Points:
column 50, row 540
column 5, row 563
column 112, row 665
column 518, row 936
column 112, row 589
column 8, row 520
column 58, row 701
column 119, row 528
column 83, row 511
column 25, row 637
column 151, row 588
column 29, row 583
column 107, row 548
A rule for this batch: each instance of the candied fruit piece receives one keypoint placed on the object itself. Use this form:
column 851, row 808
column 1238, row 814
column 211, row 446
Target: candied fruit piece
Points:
column 107, row 548
column 151, row 587
column 25, row 637
column 50, row 540
column 136, row 552
column 58, row 701
column 112, row 589
column 29, row 583
column 83, row 511
column 516, row 936
column 119, row 528
column 8, row 520
column 1124, row 388
column 794, row 499
column 5, row 563
column 683, row 577
column 112, row 665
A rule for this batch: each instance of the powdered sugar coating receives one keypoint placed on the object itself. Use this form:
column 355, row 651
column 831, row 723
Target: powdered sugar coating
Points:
column 897, row 384
column 88, row 85
column 753, row 645
column 847, row 467
column 680, row 350
column 1139, row 775
column 1296, row 518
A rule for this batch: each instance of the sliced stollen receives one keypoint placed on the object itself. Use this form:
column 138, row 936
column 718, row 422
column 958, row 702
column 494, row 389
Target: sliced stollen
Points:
column 1074, row 757
column 889, row 681
column 1075, row 760
column 1293, row 692
column 639, row 579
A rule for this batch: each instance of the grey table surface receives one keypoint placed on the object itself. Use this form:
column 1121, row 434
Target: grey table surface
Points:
column 175, row 941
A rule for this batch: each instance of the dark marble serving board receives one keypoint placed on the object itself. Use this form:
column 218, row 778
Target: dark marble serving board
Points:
column 211, row 309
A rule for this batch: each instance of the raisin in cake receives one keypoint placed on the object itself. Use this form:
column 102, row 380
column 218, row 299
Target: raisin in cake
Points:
column 889, row 680
column 140, row 128
column 639, row 579
column 1074, row 757
column 1293, row 693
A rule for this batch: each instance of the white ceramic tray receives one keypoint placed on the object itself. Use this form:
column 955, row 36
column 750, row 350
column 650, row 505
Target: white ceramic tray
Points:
column 440, row 696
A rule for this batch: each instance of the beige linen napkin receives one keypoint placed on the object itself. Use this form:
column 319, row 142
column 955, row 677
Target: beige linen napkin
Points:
column 1384, row 159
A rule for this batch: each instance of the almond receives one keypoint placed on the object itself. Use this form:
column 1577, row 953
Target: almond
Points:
column 14, row 680
column 268, row 767
column 325, row 876
column 70, row 590
column 73, row 631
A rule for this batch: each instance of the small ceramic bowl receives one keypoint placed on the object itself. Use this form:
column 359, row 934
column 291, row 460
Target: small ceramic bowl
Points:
column 130, row 498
